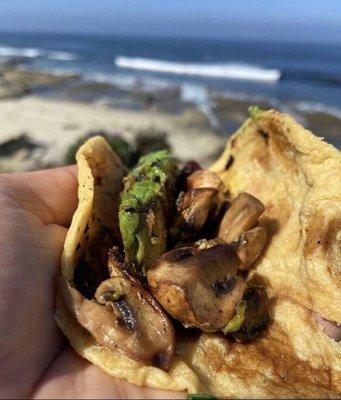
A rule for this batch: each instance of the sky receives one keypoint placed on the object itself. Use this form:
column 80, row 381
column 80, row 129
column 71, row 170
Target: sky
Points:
column 300, row 20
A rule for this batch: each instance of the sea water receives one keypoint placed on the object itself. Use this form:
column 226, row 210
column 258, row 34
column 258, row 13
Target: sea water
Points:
column 306, row 73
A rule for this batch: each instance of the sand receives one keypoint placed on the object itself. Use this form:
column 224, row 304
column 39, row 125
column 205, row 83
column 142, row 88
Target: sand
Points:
column 52, row 121
column 56, row 124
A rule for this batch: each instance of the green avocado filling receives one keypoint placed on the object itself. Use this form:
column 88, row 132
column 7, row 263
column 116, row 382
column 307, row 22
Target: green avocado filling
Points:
column 144, row 205
column 237, row 321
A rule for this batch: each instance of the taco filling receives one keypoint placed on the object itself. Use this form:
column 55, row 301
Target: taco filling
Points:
column 167, row 269
column 183, row 253
column 183, row 236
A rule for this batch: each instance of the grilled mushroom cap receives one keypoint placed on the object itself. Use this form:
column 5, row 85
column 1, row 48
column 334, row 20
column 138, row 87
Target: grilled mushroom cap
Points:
column 240, row 228
column 194, row 207
column 199, row 288
column 124, row 317
column 204, row 179
column 240, row 217
column 197, row 204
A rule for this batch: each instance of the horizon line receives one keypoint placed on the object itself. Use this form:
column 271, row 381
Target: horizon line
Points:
column 243, row 38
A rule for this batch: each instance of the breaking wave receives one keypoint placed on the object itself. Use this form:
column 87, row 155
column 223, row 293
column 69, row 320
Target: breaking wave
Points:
column 227, row 70
column 34, row 52
column 29, row 52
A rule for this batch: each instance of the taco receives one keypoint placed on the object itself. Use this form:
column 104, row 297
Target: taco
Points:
column 223, row 281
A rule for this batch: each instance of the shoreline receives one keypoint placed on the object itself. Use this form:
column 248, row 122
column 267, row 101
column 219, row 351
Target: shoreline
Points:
column 54, row 111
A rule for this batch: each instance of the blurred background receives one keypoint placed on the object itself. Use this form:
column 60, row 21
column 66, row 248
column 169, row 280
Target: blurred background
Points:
column 151, row 74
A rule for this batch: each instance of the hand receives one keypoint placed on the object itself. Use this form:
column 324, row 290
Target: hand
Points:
column 35, row 361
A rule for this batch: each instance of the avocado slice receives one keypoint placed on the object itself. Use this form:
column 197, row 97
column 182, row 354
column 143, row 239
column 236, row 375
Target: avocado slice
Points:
column 145, row 205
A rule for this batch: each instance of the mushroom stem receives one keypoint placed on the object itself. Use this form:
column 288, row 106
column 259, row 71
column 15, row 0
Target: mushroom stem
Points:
column 250, row 245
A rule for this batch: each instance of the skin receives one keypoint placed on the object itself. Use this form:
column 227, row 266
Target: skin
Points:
column 35, row 360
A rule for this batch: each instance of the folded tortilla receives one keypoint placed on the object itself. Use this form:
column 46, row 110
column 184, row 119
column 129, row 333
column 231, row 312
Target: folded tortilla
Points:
column 297, row 177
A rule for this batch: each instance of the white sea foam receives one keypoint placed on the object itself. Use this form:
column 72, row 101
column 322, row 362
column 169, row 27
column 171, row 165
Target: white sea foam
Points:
column 61, row 56
column 227, row 70
column 29, row 52
column 33, row 52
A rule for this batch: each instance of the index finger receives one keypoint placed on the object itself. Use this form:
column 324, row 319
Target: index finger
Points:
column 49, row 194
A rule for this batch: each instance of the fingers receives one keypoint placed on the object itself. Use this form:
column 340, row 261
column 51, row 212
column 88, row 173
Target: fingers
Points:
column 71, row 377
column 49, row 194
column 30, row 257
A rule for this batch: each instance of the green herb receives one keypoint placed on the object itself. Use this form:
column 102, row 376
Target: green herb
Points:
column 237, row 321
column 254, row 112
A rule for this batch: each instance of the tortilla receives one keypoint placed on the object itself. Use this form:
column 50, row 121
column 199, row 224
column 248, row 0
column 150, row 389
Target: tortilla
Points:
column 100, row 174
column 295, row 175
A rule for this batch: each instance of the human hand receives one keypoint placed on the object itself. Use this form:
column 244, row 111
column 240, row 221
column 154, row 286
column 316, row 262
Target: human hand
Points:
column 35, row 210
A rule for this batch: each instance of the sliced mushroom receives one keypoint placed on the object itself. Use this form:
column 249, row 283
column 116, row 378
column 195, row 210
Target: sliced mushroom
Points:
column 118, row 267
column 116, row 264
column 240, row 217
column 250, row 245
column 125, row 318
column 199, row 288
column 196, row 205
column 204, row 179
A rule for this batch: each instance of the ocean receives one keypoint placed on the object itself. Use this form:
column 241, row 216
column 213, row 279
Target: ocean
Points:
column 305, row 74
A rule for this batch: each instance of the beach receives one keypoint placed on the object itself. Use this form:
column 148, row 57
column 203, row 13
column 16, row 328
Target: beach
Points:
column 186, row 94
column 43, row 114
column 51, row 126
